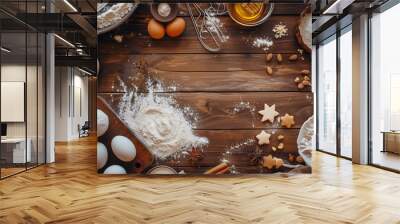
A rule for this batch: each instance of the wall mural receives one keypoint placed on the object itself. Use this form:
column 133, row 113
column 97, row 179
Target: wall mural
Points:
column 206, row 88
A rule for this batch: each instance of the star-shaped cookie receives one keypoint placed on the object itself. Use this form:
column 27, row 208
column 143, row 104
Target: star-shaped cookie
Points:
column 269, row 113
column 278, row 162
column 271, row 162
column 263, row 138
column 287, row 121
column 268, row 162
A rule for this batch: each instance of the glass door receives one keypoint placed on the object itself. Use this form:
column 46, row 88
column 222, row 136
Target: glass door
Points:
column 326, row 98
column 14, row 155
column 22, row 77
column 334, row 94
column 385, row 89
column 41, row 97
column 32, row 98
column 345, row 59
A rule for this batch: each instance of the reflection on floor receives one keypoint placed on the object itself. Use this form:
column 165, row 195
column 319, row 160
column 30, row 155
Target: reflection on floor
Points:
column 387, row 159
column 70, row 191
column 8, row 170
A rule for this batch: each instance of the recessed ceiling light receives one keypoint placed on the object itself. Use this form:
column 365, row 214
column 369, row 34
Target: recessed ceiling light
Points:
column 337, row 7
column 5, row 50
column 84, row 71
column 65, row 41
column 70, row 5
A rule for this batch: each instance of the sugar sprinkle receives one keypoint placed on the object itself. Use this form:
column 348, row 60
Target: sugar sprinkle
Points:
column 263, row 42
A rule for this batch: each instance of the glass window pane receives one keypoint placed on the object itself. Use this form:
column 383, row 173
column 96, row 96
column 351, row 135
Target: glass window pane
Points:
column 385, row 84
column 31, row 98
column 23, row 85
column 13, row 86
column 32, row 88
column 327, row 96
column 346, row 94
column 41, row 99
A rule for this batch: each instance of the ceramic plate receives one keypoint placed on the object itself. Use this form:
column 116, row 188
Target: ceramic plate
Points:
column 107, row 17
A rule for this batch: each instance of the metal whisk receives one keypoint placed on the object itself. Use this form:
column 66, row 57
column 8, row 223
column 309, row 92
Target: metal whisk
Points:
column 206, row 25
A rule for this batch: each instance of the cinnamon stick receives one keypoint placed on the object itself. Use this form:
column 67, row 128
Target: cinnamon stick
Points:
column 217, row 168
column 223, row 171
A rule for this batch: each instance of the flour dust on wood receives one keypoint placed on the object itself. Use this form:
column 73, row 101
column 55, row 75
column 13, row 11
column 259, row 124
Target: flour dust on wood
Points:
column 158, row 121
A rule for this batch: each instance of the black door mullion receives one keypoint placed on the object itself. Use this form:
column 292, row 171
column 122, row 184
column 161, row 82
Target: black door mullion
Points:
column 338, row 95
column 26, row 88
column 369, row 100
column 317, row 97
column 37, row 90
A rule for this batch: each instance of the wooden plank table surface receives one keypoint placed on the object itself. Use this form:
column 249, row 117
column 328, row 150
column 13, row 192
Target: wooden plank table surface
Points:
column 213, row 83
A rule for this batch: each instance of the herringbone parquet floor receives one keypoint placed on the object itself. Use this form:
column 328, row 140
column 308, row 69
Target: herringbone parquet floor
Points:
column 70, row 191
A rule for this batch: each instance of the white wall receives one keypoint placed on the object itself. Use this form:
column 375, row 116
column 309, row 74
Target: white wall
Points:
column 61, row 104
column 70, row 84
column 33, row 127
column 16, row 73
column 10, row 73
column 81, row 113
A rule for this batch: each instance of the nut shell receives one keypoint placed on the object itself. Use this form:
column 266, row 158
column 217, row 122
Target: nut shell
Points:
column 293, row 57
column 268, row 57
column 279, row 58
column 269, row 70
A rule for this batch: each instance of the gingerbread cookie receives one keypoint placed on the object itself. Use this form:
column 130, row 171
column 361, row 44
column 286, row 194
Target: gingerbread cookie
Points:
column 287, row 121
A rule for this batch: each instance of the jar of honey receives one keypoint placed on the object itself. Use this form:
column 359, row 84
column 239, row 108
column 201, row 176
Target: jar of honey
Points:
column 250, row 14
column 249, row 11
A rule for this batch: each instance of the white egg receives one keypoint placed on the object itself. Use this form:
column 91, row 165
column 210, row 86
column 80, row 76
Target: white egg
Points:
column 102, row 123
column 115, row 169
column 123, row 148
column 102, row 155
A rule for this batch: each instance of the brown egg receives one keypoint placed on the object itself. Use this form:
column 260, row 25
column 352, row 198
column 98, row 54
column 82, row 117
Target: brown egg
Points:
column 176, row 27
column 156, row 30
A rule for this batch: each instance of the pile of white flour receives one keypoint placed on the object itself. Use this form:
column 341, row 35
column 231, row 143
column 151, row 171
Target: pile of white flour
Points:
column 159, row 122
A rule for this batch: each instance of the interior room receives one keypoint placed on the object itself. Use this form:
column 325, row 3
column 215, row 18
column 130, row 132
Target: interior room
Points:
column 29, row 101
column 199, row 111
column 22, row 100
column 334, row 55
column 384, row 89
column 72, row 111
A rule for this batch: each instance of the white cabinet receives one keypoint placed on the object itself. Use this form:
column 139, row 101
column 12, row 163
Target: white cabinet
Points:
column 17, row 148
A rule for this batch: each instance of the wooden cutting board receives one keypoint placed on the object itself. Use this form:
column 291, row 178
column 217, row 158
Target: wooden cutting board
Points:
column 144, row 157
